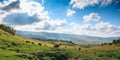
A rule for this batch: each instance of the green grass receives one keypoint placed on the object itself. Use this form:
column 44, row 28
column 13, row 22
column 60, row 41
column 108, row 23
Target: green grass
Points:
column 12, row 47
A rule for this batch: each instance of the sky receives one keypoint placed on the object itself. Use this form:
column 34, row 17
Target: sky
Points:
column 82, row 17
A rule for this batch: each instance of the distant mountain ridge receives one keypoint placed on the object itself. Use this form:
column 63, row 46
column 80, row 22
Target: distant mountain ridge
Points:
column 70, row 37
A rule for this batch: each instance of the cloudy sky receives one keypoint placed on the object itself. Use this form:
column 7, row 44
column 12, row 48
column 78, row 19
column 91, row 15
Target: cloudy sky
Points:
column 83, row 17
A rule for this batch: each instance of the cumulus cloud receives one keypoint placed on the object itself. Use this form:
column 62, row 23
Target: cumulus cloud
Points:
column 49, row 25
column 91, row 17
column 70, row 12
column 81, row 4
column 80, row 27
column 101, row 29
column 106, row 27
column 20, row 19
column 28, row 15
column 22, row 12
column 101, row 26
column 106, row 2
column 12, row 5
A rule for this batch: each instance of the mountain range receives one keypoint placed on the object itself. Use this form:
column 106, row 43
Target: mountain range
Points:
column 61, row 36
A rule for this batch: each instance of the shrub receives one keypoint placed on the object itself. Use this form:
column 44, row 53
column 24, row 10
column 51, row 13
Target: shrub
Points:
column 8, row 45
column 63, row 56
column 110, row 43
column 17, row 50
column 13, row 44
column 76, row 58
column 100, row 55
column 3, row 48
column 32, row 42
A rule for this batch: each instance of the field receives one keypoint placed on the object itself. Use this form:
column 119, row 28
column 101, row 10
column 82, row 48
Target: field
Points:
column 14, row 47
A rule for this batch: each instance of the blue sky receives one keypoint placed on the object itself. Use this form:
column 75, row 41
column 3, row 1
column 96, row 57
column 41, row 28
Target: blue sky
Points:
column 57, row 9
column 83, row 17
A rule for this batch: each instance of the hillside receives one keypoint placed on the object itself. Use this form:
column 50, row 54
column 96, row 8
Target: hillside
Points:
column 10, row 45
column 14, row 47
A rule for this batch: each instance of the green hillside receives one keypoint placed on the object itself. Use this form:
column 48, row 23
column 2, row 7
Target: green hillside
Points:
column 14, row 47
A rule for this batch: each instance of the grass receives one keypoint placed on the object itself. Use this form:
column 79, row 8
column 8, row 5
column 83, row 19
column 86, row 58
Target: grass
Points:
column 16, row 48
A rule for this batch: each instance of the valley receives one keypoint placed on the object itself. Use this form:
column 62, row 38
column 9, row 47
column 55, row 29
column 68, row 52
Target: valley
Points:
column 14, row 47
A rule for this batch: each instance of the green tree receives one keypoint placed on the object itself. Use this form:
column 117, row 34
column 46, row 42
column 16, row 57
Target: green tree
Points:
column 7, row 29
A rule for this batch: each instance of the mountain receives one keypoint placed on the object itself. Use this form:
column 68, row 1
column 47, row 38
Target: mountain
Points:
column 60, row 36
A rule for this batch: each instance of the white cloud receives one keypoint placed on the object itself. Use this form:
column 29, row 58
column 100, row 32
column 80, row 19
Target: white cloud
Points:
column 58, row 22
column 102, row 25
column 49, row 25
column 81, row 4
column 70, row 12
column 101, row 29
column 106, row 2
column 83, row 29
column 80, row 27
column 29, row 7
column 29, row 16
column 107, row 29
column 91, row 17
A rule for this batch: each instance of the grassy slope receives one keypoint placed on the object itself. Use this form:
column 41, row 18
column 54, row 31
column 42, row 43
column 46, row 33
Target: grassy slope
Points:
column 11, row 46
column 18, row 43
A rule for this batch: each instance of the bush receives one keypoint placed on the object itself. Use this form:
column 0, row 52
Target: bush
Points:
column 4, row 48
column 63, row 56
column 14, row 44
column 32, row 43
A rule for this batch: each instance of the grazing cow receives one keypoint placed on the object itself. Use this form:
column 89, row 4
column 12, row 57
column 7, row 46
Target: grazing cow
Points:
column 27, row 41
column 56, row 46
column 79, row 48
column 39, row 44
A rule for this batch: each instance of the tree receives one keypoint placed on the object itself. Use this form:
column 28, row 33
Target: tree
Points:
column 116, row 41
column 7, row 29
